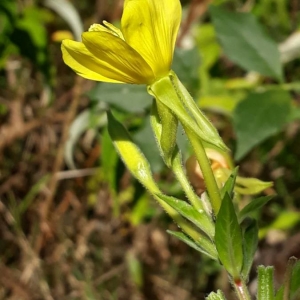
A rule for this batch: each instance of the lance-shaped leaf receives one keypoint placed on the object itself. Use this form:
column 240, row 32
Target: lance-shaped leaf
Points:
column 184, row 238
column 228, row 238
column 198, row 218
column 164, row 124
column 131, row 155
column 253, row 207
column 250, row 234
column 165, row 92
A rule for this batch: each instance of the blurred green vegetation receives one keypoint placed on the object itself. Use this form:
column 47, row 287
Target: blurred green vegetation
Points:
column 73, row 222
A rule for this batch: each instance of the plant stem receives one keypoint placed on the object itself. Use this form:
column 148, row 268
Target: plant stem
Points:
column 209, row 178
column 241, row 289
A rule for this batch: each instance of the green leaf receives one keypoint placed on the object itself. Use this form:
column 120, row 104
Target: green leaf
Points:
column 198, row 218
column 250, row 246
column 216, row 296
column 253, row 207
column 258, row 117
column 164, row 124
column 265, row 289
column 228, row 238
column 229, row 184
column 131, row 155
column 184, row 238
column 245, row 42
column 129, row 98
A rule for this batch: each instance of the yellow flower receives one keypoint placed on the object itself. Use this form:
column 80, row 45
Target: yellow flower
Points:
column 141, row 52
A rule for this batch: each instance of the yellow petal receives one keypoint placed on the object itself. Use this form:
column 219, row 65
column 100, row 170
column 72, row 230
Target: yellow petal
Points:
column 77, row 57
column 150, row 27
column 107, row 28
column 120, row 61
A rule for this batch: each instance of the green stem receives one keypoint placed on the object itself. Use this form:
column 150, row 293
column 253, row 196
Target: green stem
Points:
column 241, row 290
column 204, row 163
column 197, row 202
column 170, row 92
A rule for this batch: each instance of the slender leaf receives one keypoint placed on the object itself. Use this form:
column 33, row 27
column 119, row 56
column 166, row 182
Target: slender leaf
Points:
column 250, row 246
column 131, row 155
column 198, row 218
column 228, row 238
column 184, row 238
column 253, row 207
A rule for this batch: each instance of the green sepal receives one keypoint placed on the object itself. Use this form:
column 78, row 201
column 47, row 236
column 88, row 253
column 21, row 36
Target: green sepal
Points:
column 173, row 97
column 131, row 155
column 265, row 289
column 173, row 160
column 208, row 131
column 228, row 238
column 164, row 124
column 198, row 218
column 210, row 252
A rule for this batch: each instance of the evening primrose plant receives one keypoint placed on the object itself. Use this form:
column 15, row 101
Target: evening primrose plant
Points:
column 141, row 52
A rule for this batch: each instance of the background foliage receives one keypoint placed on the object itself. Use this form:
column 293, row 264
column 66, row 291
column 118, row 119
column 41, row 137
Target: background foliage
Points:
column 73, row 223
